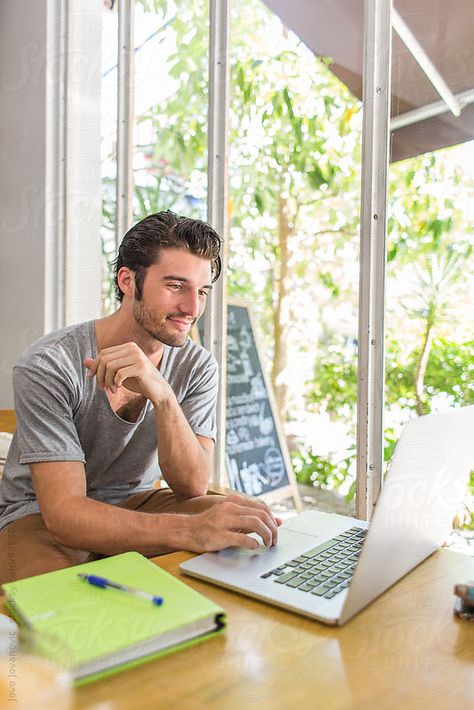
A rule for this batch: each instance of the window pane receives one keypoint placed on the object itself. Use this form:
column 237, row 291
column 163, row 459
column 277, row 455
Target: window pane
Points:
column 295, row 132
column 430, row 322
column 170, row 115
column 171, row 88
column 108, row 151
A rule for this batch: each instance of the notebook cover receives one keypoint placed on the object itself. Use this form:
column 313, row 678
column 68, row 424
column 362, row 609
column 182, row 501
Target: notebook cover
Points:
column 93, row 622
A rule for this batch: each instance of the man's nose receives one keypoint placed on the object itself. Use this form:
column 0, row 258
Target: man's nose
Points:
column 190, row 304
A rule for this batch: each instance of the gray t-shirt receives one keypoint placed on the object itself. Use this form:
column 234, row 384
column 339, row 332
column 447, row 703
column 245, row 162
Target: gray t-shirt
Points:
column 63, row 416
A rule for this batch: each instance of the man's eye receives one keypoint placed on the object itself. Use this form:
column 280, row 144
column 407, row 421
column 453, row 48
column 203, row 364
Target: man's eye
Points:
column 204, row 293
column 175, row 287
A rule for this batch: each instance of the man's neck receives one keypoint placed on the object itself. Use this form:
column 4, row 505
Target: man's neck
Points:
column 122, row 328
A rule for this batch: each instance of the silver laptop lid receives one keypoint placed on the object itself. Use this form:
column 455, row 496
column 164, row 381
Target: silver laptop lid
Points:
column 414, row 514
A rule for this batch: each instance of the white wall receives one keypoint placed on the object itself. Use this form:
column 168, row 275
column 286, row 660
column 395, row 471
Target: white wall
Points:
column 49, row 171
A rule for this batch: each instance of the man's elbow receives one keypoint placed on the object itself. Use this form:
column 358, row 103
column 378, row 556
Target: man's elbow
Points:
column 58, row 523
column 190, row 491
column 57, row 528
column 192, row 488
column 199, row 491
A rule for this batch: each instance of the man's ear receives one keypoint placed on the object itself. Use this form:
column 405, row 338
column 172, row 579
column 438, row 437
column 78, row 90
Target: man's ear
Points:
column 126, row 281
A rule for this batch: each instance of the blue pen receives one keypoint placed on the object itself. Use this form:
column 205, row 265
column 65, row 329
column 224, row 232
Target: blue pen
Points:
column 465, row 592
column 108, row 584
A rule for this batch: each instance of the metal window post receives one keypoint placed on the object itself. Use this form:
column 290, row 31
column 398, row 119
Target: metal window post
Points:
column 373, row 228
column 125, row 111
column 56, row 172
column 215, row 317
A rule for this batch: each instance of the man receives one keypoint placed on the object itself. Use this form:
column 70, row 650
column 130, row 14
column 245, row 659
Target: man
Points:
column 103, row 408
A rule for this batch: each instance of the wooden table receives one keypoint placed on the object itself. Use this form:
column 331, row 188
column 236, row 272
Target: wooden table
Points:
column 404, row 651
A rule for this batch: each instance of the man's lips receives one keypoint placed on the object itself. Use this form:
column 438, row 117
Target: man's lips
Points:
column 180, row 323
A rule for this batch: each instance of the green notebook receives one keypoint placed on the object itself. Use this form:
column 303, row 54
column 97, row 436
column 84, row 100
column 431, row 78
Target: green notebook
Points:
column 107, row 630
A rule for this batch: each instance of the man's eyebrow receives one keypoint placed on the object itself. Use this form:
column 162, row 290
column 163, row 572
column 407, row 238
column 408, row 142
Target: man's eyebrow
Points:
column 184, row 280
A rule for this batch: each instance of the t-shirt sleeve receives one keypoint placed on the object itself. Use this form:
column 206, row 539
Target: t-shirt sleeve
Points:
column 199, row 403
column 44, row 396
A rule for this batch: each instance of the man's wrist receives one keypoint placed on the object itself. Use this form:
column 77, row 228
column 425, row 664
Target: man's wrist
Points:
column 174, row 530
column 163, row 396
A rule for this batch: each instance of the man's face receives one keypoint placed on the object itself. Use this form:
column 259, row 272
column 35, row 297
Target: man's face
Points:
column 174, row 296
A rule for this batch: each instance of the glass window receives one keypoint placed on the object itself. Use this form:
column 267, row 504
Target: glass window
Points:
column 170, row 115
column 430, row 268
column 294, row 173
column 108, row 150
column 171, row 95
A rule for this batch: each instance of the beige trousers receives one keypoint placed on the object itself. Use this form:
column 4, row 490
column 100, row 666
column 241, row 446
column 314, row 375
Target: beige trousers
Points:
column 28, row 548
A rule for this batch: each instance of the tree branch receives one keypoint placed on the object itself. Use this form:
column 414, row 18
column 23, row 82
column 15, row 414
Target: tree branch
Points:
column 421, row 371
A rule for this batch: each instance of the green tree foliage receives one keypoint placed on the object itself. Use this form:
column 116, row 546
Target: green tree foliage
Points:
column 293, row 175
column 449, row 380
column 429, row 356
column 450, row 373
column 430, row 243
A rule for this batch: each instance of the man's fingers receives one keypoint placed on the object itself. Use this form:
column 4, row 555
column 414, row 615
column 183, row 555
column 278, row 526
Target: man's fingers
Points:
column 107, row 355
column 100, row 375
column 252, row 502
column 253, row 524
column 105, row 368
column 111, row 370
column 94, row 367
column 118, row 350
column 243, row 506
column 124, row 373
column 241, row 540
column 91, row 364
column 254, row 520
column 229, row 524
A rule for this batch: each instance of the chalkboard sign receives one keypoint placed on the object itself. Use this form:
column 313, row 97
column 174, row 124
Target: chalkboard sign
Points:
column 257, row 460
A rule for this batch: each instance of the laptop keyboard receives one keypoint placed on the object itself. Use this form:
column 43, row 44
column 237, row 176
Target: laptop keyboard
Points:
column 324, row 570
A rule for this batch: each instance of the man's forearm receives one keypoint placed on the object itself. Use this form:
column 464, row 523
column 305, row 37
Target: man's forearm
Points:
column 185, row 464
column 109, row 530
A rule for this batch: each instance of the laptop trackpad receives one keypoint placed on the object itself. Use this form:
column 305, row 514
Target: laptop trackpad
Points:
column 290, row 544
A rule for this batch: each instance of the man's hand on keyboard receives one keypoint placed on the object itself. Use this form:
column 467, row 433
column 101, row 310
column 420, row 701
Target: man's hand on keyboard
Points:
column 228, row 523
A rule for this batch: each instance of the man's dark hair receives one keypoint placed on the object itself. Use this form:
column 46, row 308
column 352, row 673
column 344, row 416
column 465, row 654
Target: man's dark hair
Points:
column 141, row 246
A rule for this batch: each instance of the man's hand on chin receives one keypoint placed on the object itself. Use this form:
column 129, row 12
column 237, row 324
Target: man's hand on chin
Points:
column 127, row 365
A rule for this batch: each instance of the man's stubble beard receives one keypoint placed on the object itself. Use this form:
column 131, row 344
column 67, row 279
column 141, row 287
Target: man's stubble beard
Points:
column 157, row 330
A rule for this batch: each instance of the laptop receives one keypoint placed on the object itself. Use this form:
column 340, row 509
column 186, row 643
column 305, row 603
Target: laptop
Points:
column 329, row 567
